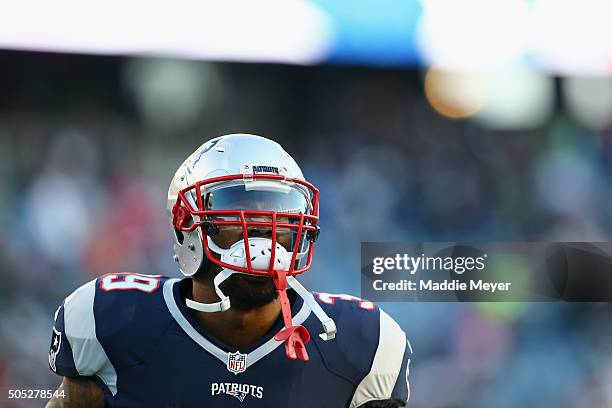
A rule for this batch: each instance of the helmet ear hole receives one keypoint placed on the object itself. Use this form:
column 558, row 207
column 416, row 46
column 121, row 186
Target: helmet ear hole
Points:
column 180, row 237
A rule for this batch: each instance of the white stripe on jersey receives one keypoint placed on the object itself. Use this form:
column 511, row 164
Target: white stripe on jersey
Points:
column 80, row 329
column 379, row 382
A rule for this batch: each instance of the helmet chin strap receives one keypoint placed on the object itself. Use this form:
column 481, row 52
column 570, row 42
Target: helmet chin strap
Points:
column 221, row 306
column 329, row 326
column 295, row 337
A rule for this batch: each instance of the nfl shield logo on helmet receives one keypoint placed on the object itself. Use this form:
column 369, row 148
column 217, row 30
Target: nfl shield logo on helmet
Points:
column 236, row 362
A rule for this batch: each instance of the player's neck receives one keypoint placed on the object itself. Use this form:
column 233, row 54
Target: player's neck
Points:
column 236, row 328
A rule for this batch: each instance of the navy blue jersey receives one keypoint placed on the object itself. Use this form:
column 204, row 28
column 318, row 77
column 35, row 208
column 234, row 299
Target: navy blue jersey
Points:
column 136, row 337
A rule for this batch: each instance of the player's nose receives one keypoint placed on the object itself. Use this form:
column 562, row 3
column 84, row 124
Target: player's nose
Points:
column 257, row 231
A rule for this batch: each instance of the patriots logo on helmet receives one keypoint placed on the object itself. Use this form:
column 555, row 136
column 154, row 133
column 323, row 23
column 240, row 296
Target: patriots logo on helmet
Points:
column 203, row 149
column 236, row 362
column 56, row 342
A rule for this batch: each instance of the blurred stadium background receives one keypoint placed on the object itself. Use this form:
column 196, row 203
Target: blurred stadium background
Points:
column 418, row 121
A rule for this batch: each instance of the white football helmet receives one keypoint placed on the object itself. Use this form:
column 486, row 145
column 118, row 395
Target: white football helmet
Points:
column 242, row 183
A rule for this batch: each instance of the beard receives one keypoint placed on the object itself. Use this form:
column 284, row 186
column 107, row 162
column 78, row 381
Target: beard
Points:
column 245, row 291
column 249, row 291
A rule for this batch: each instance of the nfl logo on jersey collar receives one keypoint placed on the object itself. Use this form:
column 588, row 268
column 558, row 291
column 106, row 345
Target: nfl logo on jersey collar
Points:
column 236, row 362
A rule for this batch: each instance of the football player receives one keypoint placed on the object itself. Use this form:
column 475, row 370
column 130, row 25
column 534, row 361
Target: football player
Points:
column 239, row 329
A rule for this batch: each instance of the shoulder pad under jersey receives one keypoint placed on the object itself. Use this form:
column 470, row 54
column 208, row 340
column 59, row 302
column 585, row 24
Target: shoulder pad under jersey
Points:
column 108, row 322
column 370, row 349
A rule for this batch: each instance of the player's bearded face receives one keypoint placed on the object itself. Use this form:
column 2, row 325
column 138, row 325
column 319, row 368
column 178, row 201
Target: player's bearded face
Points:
column 249, row 291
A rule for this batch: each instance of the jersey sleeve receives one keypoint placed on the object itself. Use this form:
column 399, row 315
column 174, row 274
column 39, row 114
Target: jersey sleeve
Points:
column 75, row 350
column 388, row 375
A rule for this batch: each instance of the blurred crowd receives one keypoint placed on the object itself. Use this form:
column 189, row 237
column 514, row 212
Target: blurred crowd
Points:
column 88, row 146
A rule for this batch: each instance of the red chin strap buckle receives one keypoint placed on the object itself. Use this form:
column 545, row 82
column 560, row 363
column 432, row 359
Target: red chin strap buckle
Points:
column 295, row 337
